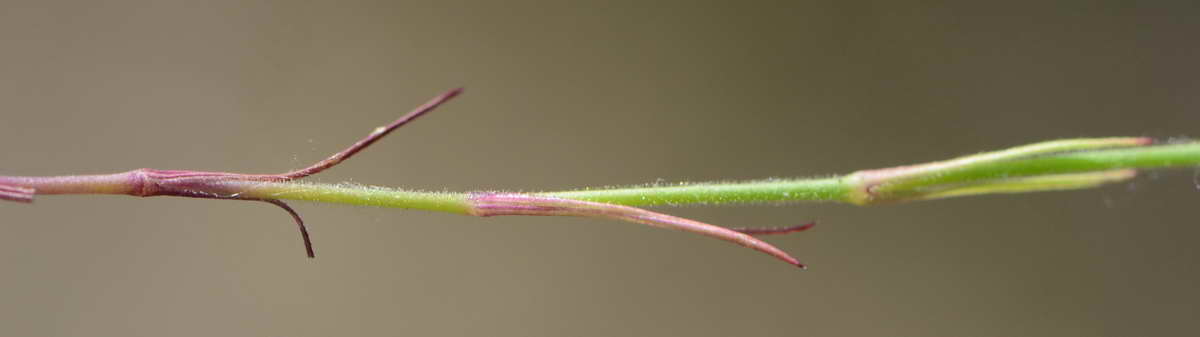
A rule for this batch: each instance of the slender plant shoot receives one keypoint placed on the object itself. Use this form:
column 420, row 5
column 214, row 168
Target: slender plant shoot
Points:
column 1047, row 166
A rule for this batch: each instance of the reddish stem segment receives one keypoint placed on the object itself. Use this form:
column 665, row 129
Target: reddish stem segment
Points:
column 199, row 184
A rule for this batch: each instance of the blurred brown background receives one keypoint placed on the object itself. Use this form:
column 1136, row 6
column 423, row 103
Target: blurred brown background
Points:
column 572, row 94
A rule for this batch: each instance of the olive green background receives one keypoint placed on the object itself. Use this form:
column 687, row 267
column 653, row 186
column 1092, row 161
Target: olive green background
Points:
column 572, row 94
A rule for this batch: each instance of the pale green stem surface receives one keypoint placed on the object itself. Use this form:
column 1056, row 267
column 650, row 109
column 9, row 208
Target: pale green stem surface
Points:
column 1025, row 172
column 357, row 195
column 821, row 189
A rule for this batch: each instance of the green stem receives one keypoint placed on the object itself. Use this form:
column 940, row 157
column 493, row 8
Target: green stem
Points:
column 1054, row 165
column 448, row 202
column 822, row 189
column 1006, row 171
column 1049, row 172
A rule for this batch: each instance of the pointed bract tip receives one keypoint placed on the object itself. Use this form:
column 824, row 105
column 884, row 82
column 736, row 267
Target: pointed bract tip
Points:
column 308, row 246
column 791, row 260
column 774, row 230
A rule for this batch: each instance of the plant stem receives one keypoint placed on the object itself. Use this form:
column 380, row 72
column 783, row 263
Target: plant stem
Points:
column 1053, row 165
column 820, row 189
column 448, row 202
column 836, row 189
